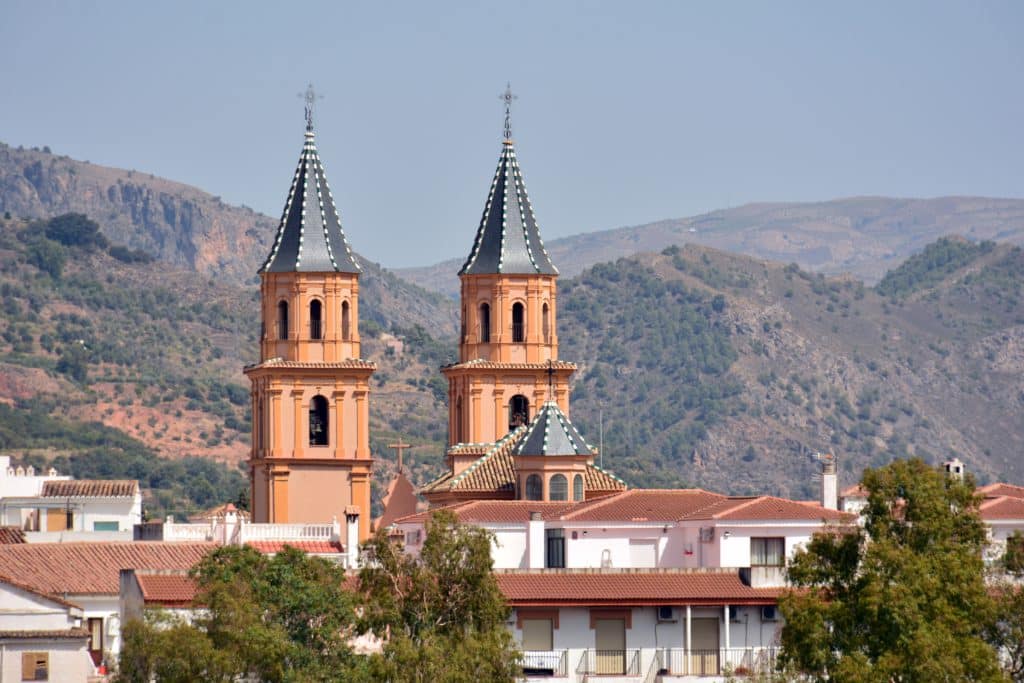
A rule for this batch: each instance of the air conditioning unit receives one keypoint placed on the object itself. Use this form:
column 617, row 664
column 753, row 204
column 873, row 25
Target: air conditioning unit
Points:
column 666, row 613
column 769, row 613
column 707, row 534
column 734, row 614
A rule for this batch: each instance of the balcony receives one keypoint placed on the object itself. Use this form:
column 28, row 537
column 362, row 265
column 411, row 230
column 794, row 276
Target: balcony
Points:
column 545, row 664
column 735, row 661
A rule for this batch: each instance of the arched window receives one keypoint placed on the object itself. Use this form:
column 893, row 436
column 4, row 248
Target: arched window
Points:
column 485, row 323
column 259, row 424
column 463, row 337
column 346, row 329
column 558, row 489
column 318, row 421
column 534, row 490
column 518, row 324
column 282, row 320
column 518, row 411
column 577, row 487
column 316, row 327
column 546, row 323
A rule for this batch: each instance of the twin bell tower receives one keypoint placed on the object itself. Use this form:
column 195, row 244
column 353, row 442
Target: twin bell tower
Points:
column 310, row 460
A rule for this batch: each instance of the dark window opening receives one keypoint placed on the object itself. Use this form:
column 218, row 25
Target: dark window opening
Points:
column 518, row 411
column 577, row 487
column 485, row 324
column 518, row 324
column 318, row 421
column 282, row 320
column 316, row 328
column 558, row 488
column 546, row 322
column 554, row 557
column 534, row 489
column 459, row 436
column 346, row 331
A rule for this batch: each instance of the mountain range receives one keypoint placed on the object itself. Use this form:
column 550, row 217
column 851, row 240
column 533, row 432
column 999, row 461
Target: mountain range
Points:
column 698, row 365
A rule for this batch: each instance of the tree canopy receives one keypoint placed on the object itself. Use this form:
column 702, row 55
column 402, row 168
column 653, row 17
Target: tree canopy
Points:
column 904, row 597
column 443, row 611
column 291, row 617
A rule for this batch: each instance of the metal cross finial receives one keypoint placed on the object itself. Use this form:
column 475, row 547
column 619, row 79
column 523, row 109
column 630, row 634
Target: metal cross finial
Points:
column 551, row 380
column 311, row 97
column 507, row 98
column 399, row 447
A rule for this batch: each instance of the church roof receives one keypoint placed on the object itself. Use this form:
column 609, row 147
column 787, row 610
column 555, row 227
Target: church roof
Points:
column 309, row 237
column 508, row 239
column 551, row 433
column 493, row 473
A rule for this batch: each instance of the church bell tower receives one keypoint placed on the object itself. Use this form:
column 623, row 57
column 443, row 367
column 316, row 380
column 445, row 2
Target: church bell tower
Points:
column 310, row 458
column 508, row 350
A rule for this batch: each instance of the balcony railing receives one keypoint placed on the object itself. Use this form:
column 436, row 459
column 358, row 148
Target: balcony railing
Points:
column 538, row 663
column 739, row 661
column 609, row 662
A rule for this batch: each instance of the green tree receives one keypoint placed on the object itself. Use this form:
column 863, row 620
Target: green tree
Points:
column 443, row 611
column 281, row 618
column 75, row 230
column 901, row 599
column 47, row 256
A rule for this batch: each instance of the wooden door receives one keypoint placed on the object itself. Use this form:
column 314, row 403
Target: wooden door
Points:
column 704, row 649
column 610, row 643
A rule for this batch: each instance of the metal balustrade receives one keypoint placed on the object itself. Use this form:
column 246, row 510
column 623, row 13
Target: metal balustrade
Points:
column 738, row 661
column 538, row 663
column 610, row 662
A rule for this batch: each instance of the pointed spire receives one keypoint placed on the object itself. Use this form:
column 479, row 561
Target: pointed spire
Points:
column 310, row 237
column 508, row 240
column 551, row 433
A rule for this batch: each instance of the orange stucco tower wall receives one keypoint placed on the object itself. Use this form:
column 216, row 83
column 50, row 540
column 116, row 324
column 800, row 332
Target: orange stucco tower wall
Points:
column 310, row 459
column 508, row 350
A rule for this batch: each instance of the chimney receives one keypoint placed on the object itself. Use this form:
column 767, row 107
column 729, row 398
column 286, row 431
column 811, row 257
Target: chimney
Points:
column 954, row 468
column 829, row 482
column 535, row 541
column 352, row 536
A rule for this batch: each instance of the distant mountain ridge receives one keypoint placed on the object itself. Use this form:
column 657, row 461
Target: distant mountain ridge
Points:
column 183, row 226
column 863, row 236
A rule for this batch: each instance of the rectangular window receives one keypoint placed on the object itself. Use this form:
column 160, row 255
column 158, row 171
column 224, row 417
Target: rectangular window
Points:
column 537, row 634
column 767, row 552
column 555, row 555
column 35, row 666
column 105, row 526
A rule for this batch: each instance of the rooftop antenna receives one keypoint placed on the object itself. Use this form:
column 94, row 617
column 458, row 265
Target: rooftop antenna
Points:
column 311, row 97
column 507, row 97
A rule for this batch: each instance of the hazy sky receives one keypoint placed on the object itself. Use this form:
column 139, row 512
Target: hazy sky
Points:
column 628, row 112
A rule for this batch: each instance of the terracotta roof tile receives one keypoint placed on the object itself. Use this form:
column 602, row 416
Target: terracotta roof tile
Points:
column 318, row 547
column 766, row 508
column 66, row 634
column 629, row 587
column 175, row 589
column 855, row 491
column 1001, row 489
column 484, row 364
column 644, row 505
column 1003, row 507
column 92, row 568
column 90, row 488
column 494, row 472
column 11, row 534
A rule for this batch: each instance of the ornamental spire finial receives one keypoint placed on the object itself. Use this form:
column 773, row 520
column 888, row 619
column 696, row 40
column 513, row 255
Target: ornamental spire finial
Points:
column 507, row 98
column 311, row 97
